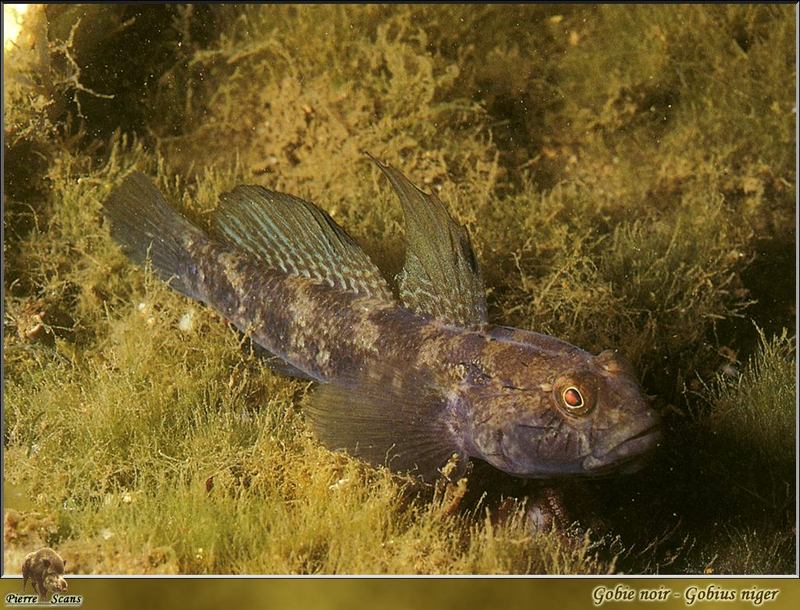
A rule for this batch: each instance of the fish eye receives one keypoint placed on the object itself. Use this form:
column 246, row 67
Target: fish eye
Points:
column 572, row 397
column 575, row 398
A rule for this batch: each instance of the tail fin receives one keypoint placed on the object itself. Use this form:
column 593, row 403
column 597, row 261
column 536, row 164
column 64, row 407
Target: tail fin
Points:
column 145, row 226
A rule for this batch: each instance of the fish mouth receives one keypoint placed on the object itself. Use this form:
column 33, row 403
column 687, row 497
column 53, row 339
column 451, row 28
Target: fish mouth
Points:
column 633, row 449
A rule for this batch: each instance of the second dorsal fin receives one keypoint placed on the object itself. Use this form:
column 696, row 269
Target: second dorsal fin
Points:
column 298, row 238
column 441, row 276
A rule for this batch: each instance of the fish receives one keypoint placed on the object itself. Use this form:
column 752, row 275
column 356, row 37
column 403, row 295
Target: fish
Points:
column 410, row 374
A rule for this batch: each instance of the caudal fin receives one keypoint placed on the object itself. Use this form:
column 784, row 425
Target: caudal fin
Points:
column 145, row 226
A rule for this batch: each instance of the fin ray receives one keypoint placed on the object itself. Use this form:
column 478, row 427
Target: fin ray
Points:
column 441, row 276
column 388, row 419
column 146, row 226
column 297, row 237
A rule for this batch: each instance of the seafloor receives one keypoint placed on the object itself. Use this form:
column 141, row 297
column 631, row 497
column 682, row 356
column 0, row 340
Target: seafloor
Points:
column 628, row 178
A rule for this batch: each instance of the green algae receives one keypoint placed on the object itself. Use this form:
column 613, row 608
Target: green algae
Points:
column 628, row 179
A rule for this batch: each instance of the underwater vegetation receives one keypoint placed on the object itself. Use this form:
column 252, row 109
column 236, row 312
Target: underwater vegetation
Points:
column 627, row 177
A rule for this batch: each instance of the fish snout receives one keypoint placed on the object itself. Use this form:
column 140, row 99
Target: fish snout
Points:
column 626, row 445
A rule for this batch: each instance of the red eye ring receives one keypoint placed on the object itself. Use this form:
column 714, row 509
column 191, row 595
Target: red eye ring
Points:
column 572, row 397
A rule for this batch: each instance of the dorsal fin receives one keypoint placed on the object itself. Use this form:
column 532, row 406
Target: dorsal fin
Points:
column 441, row 276
column 297, row 237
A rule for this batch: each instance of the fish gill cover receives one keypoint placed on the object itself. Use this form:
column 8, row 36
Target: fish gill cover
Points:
column 627, row 179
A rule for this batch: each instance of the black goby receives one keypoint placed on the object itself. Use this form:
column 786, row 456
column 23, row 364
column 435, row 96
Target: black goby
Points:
column 412, row 381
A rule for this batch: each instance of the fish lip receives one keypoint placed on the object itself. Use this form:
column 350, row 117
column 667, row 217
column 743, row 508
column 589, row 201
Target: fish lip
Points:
column 632, row 448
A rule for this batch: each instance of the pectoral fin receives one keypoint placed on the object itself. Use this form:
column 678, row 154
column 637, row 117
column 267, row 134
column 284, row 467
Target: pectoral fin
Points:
column 441, row 276
column 389, row 420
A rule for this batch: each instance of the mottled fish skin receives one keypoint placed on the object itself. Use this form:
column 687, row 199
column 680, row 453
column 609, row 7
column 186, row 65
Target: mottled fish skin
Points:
column 401, row 386
column 325, row 333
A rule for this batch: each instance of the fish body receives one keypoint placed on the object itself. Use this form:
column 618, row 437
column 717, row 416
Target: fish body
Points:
column 413, row 381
